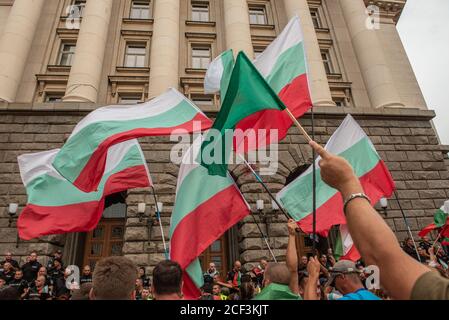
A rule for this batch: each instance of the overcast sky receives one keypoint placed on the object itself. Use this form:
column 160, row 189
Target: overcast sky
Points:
column 424, row 29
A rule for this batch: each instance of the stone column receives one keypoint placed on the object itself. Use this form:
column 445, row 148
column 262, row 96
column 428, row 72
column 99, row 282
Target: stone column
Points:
column 237, row 27
column 15, row 45
column 319, row 85
column 164, row 66
column 85, row 74
column 375, row 71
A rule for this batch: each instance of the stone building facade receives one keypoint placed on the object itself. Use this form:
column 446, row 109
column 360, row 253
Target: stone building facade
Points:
column 56, row 67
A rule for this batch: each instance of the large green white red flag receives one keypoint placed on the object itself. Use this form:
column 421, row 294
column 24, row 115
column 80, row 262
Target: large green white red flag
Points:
column 83, row 157
column 350, row 142
column 56, row 206
column 283, row 65
column 206, row 207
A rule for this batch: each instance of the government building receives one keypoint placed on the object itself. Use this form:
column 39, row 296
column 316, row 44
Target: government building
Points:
column 61, row 59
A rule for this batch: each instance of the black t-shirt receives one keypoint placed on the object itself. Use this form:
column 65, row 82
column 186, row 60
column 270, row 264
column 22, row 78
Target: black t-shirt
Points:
column 85, row 279
column 145, row 281
column 56, row 274
column 60, row 288
column 30, row 270
column 35, row 294
column 7, row 276
column 19, row 284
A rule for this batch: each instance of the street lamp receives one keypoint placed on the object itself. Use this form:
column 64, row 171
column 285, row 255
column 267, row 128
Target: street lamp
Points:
column 384, row 205
column 12, row 210
column 141, row 208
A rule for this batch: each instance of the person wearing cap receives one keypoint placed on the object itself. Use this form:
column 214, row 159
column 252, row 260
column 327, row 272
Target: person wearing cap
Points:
column 345, row 277
column 402, row 276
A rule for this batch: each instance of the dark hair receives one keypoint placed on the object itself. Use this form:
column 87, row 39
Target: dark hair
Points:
column 208, row 279
column 167, row 277
column 246, row 278
column 246, row 291
column 9, row 293
column 208, row 288
column 114, row 278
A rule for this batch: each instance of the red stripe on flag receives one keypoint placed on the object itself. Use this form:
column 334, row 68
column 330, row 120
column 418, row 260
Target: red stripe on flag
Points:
column 90, row 177
column 295, row 96
column 36, row 221
column 352, row 255
column 377, row 183
column 207, row 223
column 189, row 289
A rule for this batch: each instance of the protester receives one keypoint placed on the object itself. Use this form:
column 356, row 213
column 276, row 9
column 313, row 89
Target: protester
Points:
column 139, row 289
column 31, row 268
column 235, row 274
column 425, row 243
column 8, row 258
column 276, row 284
column 60, row 289
column 19, row 283
column 9, row 294
column 247, row 291
column 212, row 271
column 43, row 272
column 142, row 273
column 2, row 283
column 57, row 272
column 146, row 294
column 401, row 275
column 259, row 271
column 114, row 279
column 303, row 263
column 86, row 276
column 207, row 292
column 167, row 281
column 8, row 272
column 82, row 293
column 57, row 255
column 39, row 291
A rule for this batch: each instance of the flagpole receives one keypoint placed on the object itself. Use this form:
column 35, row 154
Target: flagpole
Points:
column 158, row 216
column 264, row 237
column 314, row 182
column 298, row 125
column 408, row 226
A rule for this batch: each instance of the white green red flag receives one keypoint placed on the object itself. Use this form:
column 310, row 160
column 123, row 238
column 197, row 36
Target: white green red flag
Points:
column 344, row 246
column 83, row 157
column 350, row 142
column 283, row 65
column 441, row 222
column 218, row 74
column 56, row 206
column 205, row 208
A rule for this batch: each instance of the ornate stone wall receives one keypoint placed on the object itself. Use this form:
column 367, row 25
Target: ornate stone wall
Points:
column 404, row 138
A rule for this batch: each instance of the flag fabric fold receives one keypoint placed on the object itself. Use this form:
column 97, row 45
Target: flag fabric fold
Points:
column 247, row 94
column 83, row 157
column 218, row 73
column 55, row 206
column 205, row 208
column 344, row 246
column 441, row 222
column 350, row 142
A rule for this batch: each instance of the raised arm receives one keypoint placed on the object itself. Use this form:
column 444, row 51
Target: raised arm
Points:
column 313, row 268
column 372, row 236
column 292, row 256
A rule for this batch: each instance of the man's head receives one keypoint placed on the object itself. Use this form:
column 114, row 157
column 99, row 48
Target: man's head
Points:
column 33, row 256
column 57, row 254
column 86, row 270
column 7, row 266
column 83, row 292
column 141, row 271
column 323, row 259
column 18, row 275
column 146, row 293
column 409, row 242
column 276, row 273
column 9, row 293
column 42, row 271
column 139, row 284
column 263, row 264
column 304, row 261
column 8, row 256
column 237, row 265
column 216, row 289
column 167, row 280
column 345, row 276
column 2, row 282
column 40, row 281
column 57, row 264
column 114, row 279
column 425, row 239
column 212, row 267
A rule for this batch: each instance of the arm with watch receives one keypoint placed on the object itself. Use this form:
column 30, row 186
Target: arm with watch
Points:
column 373, row 238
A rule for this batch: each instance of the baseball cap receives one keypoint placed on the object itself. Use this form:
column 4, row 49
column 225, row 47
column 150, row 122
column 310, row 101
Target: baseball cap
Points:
column 341, row 267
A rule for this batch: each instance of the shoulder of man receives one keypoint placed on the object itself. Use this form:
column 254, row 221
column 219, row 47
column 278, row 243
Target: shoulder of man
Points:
column 431, row 286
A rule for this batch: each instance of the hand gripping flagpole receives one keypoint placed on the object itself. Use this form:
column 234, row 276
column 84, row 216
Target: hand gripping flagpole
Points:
column 158, row 216
column 408, row 226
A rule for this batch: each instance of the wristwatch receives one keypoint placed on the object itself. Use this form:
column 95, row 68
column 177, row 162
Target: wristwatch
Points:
column 355, row 196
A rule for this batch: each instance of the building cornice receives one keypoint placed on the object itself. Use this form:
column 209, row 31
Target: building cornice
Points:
column 389, row 9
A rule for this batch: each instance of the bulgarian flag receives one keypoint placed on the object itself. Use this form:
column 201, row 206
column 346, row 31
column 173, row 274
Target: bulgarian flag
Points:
column 440, row 219
column 218, row 73
column 284, row 66
column 351, row 143
column 205, row 208
column 55, row 206
column 344, row 246
column 82, row 159
column 247, row 95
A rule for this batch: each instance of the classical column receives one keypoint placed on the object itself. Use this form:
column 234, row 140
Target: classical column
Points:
column 164, row 66
column 237, row 27
column 85, row 74
column 319, row 85
column 375, row 71
column 15, row 45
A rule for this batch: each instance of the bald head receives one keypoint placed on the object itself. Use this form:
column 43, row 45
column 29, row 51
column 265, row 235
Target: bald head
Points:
column 277, row 273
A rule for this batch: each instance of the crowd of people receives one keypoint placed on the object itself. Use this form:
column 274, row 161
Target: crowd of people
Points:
column 413, row 271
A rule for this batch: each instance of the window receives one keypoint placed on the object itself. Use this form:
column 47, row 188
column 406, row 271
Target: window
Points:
column 201, row 57
column 340, row 102
column 257, row 16
column 66, row 54
column 135, row 56
column 130, row 99
column 316, row 18
column 80, row 4
column 140, row 10
column 325, row 55
column 53, row 97
column 200, row 12
column 203, row 101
